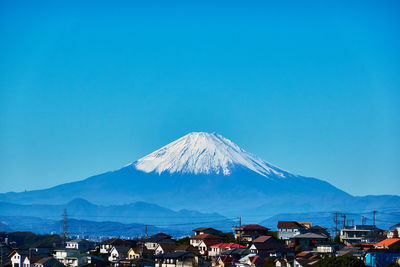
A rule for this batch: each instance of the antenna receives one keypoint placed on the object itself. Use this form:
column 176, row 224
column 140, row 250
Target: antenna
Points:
column 65, row 226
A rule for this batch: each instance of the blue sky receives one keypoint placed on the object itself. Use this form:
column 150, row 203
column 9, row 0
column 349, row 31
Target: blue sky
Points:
column 313, row 88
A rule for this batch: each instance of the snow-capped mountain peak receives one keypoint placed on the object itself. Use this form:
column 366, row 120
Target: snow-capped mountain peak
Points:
column 205, row 153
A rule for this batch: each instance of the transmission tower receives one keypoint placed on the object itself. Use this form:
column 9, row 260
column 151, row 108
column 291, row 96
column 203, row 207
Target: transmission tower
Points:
column 65, row 226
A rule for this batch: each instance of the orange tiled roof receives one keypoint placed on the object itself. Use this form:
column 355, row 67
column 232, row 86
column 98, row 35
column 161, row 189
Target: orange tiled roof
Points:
column 387, row 242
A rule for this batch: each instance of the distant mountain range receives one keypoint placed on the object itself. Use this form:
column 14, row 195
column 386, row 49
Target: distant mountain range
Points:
column 204, row 172
column 142, row 213
column 81, row 227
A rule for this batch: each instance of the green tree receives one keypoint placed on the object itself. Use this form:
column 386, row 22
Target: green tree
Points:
column 183, row 241
column 228, row 237
column 337, row 239
column 395, row 233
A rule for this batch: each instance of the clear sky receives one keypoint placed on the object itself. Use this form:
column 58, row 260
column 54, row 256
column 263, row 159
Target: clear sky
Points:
column 310, row 86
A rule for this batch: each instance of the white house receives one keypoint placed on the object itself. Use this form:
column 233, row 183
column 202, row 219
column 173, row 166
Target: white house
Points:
column 118, row 253
column 79, row 244
column 289, row 229
column 25, row 258
column 164, row 248
column 71, row 257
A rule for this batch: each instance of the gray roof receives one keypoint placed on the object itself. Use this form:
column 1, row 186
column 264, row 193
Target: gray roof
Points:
column 311, row 235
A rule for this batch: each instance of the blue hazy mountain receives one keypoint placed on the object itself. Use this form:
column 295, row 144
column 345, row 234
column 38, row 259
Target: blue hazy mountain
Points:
column 138, row 212
column 208, row 173
column 82, row 227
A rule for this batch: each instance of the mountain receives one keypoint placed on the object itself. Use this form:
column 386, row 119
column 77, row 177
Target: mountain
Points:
column 138, row 212
column 208, row 173
column 85, row 228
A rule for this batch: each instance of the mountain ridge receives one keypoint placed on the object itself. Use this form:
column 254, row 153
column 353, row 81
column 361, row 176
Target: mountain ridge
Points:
column 238, row 191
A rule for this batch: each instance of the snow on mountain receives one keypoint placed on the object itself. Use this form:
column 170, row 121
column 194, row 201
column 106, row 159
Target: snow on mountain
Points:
column 205, row 153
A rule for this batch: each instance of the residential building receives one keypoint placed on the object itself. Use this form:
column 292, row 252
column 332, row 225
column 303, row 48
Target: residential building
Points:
column 381, row 257
column 308, row 241
column 267, row 239
column 107, row 245
column 328, row 247
column 206, row 230
column 82, row 245
column 205, row 246
column 249, row 232
column 175, row 259
column 118, row 253
column 25, row 258
column 48, row 262
column 388, row 243
column 153, row 241
column 71, row 257
column 217, row 249
column 354, row 234
column 289, row 229
column 251, row 260
column 164, row 248
column 393, row 230
column 195, row 240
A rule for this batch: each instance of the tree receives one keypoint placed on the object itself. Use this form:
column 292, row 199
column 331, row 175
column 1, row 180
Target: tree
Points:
column 395, row 233
column 183, row 241
column 340, row 261
column 228, row 238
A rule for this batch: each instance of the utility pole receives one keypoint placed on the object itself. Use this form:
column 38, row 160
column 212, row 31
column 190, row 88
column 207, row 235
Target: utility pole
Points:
column 344, row 220
column 373, row 217
column 146, row 231
column 335, row 220
column 65, row 226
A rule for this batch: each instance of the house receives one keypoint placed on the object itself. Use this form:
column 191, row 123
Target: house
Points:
column 305, row 259
column 251, row 260
column 152, row 242
column 195, row 240
column 393, row 231
column 275, row 250
column 289, row 229
column 139, row 252
column 175, row 259
column 355, row 234
column 285, row 262
column 249, row 232
column 48, row 262
column 328, row 248
column 267, row 239
column 118, row 253
column 380, row 257
column 80, row 244
column 205, row 246
column 350, row 251
column 206, row 230
column 25, row 258
column 306, row 225
column 164, row 248
column 71, row 257
column 106, row 246
column 189, row 248
column 224, row 261
column 308, row 241
column 318, row 229
column 217, row 249
column 236, row 253
column 388, row 243
column 139, row 262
